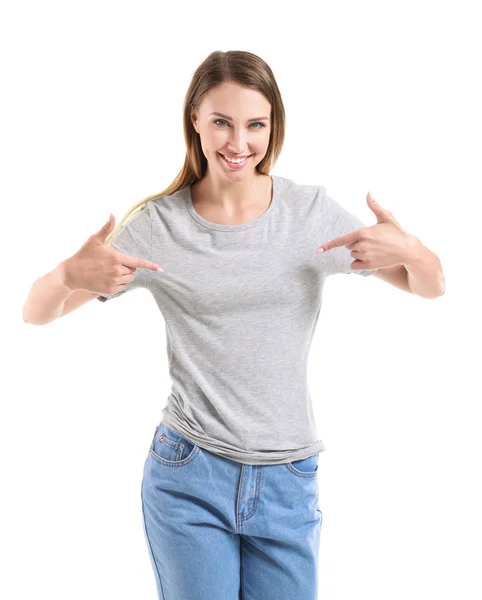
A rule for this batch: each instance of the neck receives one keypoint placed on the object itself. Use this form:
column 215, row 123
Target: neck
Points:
column 231, row 196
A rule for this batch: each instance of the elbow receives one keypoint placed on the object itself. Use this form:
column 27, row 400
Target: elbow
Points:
column 35, row 322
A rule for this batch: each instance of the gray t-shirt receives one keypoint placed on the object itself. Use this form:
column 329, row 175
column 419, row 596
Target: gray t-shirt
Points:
column 240, row 305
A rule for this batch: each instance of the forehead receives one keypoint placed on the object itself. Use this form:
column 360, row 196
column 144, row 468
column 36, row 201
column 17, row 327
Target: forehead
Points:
column 235, row 100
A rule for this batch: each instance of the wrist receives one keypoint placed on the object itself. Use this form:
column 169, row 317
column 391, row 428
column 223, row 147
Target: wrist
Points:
column 415, row 252
column 63, row 272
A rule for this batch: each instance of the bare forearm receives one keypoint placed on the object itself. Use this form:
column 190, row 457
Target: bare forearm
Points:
column 46, row 297
column 424, row 273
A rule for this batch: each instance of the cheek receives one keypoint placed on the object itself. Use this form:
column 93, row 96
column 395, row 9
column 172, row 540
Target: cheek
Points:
column 214, row 139
column 209, row 142
column 264, row 140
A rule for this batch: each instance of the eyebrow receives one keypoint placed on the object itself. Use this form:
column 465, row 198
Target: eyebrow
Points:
column 230, row 119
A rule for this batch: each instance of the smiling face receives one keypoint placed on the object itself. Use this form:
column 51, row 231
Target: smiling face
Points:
column 241, row 130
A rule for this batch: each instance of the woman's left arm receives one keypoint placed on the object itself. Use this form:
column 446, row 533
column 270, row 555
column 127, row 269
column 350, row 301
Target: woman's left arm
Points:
column 401, row 257
column 424, row 272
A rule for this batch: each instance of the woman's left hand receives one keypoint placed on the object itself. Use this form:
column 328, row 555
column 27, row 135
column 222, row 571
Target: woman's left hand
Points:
column 384, row 244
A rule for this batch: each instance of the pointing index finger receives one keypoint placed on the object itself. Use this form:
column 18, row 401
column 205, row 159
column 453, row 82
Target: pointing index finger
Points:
column 343, row 240
column 140, row 263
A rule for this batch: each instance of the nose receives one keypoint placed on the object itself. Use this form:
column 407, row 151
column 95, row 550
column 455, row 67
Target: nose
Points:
column 237, row 142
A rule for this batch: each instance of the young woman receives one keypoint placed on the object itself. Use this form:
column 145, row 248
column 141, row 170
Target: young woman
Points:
column 230, row 490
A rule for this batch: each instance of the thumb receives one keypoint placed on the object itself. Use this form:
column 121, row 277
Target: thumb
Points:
column 380, row 212
column 106, row 229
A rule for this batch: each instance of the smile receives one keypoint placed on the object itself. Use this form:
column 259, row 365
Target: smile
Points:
column 235, row 162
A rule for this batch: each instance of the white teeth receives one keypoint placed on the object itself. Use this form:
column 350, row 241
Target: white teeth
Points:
column 235, row 160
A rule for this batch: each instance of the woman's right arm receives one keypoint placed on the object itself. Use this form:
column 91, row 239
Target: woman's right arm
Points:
column 97, row 269
column 50, row 298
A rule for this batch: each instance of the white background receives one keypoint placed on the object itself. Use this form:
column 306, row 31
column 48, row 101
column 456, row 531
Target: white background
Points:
column 378, row 96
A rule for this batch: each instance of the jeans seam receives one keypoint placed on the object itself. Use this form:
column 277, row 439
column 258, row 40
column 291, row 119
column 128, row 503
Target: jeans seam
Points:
column 241, row 570
column 150, row 548
column 256, row 497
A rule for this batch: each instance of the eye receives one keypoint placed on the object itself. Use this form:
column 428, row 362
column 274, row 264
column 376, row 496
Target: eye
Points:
column 255, row 123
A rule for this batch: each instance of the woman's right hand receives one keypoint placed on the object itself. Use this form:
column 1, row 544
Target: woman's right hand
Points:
column 101, row 269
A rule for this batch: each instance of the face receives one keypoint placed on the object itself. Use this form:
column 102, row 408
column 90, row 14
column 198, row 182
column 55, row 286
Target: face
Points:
column 239, row 132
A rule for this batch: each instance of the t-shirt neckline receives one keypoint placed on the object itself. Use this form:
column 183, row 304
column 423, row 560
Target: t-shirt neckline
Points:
column 236, row 227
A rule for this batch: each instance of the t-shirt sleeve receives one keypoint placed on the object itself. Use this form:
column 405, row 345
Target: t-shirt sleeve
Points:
column 337, row 221
column 134, row 238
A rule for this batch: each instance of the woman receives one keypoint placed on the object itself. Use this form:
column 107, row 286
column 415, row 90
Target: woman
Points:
column 229, row 490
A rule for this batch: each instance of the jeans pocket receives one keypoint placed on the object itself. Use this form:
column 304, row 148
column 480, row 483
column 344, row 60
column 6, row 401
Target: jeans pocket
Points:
column 171, row 448
column 305, row 467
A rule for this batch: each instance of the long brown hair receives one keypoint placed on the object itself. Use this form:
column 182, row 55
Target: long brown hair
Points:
column 236, row 66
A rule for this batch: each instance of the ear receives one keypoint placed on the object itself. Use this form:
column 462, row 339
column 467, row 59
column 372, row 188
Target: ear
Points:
column 194, row 119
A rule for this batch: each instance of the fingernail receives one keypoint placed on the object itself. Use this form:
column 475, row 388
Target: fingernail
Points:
column 320, row 250
column 160, row 269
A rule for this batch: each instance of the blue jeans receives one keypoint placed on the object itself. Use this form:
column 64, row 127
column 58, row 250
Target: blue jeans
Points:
column 217, row 529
